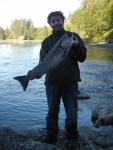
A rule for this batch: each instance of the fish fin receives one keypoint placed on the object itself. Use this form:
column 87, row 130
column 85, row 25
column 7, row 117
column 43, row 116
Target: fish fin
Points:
column 23, row 81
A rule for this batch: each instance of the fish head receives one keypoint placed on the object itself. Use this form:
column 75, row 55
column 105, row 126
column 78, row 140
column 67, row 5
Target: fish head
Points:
column 67, row 41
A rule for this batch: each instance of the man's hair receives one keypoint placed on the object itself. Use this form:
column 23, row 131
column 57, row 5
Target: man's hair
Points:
column 54, row 13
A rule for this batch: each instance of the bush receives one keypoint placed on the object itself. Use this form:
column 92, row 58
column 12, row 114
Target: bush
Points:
column 109, row 35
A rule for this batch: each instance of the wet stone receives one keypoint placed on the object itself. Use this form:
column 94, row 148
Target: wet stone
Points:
column 90, row 138
column 82, row 94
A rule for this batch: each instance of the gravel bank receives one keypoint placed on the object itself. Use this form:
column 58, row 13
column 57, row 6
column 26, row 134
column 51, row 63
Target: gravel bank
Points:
column 100, row 44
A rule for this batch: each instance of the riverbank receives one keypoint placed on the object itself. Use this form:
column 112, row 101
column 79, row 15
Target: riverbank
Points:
column 100, row 44
column 90, row 138
column 20, row 41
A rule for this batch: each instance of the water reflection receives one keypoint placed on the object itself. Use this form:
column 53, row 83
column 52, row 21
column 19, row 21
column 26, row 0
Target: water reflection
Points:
column 97, row 53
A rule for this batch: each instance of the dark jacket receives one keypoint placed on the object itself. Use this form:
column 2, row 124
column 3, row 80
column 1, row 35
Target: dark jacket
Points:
column 67, row 72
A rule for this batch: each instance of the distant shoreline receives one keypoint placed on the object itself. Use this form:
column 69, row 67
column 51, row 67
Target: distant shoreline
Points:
column 20, row 41
column 98, row 44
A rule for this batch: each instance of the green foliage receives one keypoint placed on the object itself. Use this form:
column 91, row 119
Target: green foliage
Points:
column 2, row 35
column 109, row 35
column 8, row 34
column 41, row 33
column 22, row 27
column 92, row 21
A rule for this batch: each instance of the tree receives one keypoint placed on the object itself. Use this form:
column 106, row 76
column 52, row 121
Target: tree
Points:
column 2, row 35
column 94, row 18
column 22, row 28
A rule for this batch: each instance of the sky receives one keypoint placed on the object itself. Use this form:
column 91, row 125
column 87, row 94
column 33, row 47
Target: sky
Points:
column 36, row 10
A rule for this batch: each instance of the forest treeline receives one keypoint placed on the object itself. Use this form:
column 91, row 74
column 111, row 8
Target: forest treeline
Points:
column 93, row 21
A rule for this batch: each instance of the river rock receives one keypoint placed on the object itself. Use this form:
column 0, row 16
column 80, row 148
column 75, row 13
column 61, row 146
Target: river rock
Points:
column 102, row 115
column 11, row 140
column 90, row 138
column 105, row 138
column 82, row 94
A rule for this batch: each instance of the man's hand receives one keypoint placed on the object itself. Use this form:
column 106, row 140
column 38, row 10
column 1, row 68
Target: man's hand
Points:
column 75, row 41
column 30, row 75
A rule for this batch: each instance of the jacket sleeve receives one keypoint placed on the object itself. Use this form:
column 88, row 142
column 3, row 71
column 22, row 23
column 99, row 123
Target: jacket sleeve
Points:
column 79, row 52
column 43, row 52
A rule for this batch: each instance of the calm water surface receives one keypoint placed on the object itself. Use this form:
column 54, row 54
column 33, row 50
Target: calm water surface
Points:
column 25, row 110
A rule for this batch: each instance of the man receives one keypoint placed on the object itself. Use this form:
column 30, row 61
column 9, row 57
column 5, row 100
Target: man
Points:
column 62, row 81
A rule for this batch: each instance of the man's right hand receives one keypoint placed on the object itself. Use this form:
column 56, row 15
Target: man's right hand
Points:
column 31, row 76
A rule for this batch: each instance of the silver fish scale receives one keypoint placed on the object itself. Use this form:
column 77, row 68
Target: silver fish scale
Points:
column 67, row 42
column 54, row 56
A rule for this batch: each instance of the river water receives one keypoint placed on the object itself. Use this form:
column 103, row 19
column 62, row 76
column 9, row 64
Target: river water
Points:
column 25, row 110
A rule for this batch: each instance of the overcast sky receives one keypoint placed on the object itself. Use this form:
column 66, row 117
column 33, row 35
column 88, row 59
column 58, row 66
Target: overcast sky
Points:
column 36, row 10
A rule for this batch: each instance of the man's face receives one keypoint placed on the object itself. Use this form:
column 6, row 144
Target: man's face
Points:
column 56, row 23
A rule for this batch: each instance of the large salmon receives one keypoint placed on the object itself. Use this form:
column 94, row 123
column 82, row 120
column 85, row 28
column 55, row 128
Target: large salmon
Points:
column 51, row 60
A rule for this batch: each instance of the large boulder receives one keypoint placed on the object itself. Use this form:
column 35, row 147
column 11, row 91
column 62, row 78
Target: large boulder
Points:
column 102, row 115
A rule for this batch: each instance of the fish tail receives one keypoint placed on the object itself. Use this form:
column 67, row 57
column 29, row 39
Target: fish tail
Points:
column 23, row 80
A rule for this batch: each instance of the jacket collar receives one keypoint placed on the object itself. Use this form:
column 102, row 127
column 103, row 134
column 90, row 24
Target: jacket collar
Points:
column 59, row 33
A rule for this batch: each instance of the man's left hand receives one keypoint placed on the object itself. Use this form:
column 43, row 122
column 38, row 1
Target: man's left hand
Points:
column 76, row 42
column 31, row 76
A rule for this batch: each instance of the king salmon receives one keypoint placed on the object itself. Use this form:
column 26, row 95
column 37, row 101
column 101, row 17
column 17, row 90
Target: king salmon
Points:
column 51, row 60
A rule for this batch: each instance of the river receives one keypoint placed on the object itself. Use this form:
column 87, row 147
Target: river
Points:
column 25, row 110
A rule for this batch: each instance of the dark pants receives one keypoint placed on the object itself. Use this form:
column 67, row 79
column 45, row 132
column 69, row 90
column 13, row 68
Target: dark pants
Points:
column 69, row 97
